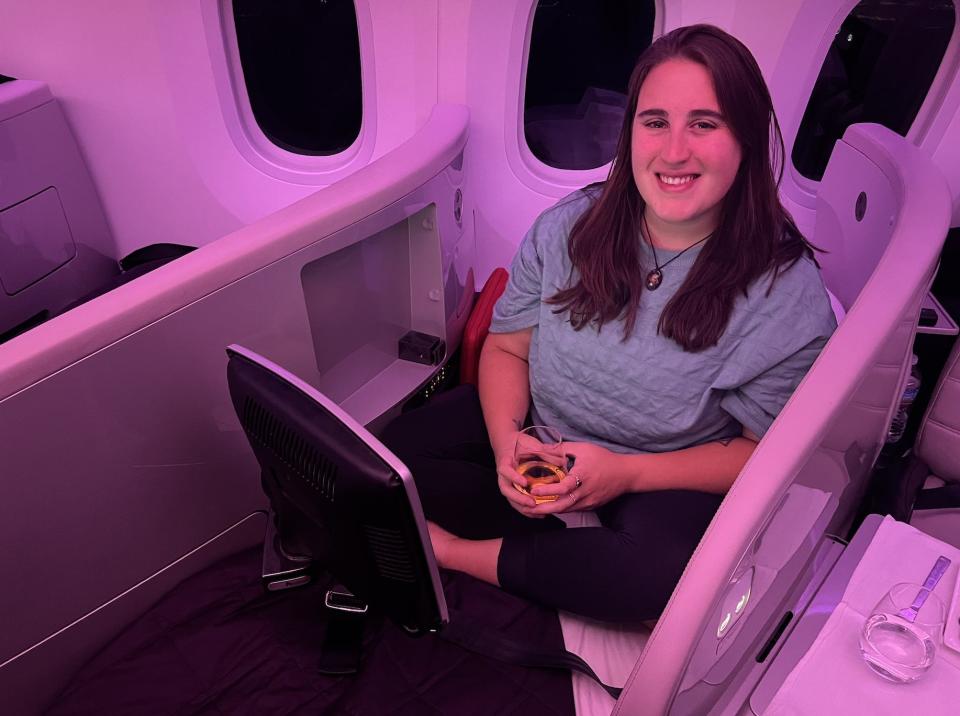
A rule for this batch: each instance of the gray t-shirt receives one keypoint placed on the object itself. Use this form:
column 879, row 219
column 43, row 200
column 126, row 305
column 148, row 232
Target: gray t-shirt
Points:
column 646, row 394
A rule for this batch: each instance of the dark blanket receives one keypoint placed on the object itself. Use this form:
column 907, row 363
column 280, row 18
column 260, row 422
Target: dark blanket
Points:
column 218, row 644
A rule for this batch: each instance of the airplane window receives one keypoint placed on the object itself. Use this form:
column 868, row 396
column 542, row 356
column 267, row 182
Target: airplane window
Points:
column 301, row 65
column 878, row 69
column 581, row 56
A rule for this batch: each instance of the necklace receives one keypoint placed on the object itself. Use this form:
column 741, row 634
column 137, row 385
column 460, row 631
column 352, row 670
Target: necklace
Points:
column 655, row 277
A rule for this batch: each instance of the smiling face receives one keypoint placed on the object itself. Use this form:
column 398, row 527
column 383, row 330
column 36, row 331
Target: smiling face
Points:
column 683, row 154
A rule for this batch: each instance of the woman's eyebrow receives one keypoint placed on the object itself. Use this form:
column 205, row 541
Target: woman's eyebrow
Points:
column 708, row 113
column 692, row 114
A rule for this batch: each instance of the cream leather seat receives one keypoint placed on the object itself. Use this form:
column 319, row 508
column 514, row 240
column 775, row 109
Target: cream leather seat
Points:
column 937, row 458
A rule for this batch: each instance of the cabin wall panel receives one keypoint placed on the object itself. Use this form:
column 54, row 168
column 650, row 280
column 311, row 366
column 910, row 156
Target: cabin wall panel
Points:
column 137, row 83
column 101, row 60
column 120, row 464
column 33, row 680
column 405, row 52
column 763, row 27
column 690, row 12
column 453, row 23
column 947, row 157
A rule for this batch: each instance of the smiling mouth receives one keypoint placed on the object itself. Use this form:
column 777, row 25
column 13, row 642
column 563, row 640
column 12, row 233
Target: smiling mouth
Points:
column 676, row 180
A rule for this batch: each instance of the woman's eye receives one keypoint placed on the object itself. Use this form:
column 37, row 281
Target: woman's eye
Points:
column 705, row 125
column 655, row 124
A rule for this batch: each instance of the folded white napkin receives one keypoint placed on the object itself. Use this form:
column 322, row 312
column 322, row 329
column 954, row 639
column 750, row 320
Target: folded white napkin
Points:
column 899, row 553
column 832, row 677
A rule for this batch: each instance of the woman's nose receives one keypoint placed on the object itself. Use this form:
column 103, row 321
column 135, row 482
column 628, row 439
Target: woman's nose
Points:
column 675, row 148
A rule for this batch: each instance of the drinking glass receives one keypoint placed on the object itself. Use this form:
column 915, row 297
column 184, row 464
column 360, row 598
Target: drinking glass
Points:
column 894, row 643
column 539, row 458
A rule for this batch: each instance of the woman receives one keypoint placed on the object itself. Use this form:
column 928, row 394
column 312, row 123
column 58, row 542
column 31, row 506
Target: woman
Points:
column 660, row 321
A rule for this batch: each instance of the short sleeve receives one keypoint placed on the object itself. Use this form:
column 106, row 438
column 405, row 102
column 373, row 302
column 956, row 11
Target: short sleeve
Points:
column 541, row 265
column 756, row 403
column 781, row 336
column 519, row 306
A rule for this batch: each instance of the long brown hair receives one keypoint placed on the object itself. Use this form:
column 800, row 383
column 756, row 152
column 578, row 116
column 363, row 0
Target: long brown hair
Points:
column 755, row 234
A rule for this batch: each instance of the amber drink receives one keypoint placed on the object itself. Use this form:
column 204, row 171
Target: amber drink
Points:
column 540, row 459
column 539, row 472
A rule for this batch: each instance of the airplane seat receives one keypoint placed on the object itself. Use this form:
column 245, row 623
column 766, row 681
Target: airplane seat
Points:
column 56, row 247
column 478, row 325
column 133, row 265
column 610, row 649
column 936, row 458
column 55, row 243
column 883, row 210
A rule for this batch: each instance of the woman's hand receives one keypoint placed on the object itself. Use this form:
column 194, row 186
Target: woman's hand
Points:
column 507, row 477
column 594, row 480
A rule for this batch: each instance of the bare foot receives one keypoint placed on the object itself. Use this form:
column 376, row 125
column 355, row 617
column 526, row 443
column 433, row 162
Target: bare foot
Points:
column 441, row 541
column 477, row 558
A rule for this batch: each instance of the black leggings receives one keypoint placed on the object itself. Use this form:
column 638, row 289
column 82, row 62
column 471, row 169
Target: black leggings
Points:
column 624, row 570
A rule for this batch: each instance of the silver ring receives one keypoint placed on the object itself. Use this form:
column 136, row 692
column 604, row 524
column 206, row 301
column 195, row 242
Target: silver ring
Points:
column 579, row 481
column 573, row 496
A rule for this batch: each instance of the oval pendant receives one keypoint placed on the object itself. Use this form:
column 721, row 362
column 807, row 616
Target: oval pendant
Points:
column 653, row 280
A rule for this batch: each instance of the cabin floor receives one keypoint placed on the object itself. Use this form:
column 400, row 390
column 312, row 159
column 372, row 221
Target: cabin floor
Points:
column 220, row 644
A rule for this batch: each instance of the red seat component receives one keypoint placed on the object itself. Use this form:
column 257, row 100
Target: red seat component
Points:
column 478, row 325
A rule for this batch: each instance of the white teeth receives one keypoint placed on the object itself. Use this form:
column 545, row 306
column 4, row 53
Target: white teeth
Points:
column 674, row 181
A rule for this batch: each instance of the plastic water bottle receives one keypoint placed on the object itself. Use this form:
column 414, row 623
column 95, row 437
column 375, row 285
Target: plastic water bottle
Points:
column 899, row 424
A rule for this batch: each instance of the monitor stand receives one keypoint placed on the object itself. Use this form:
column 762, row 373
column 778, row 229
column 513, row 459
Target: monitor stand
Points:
column 281, row 570
column 344, row 614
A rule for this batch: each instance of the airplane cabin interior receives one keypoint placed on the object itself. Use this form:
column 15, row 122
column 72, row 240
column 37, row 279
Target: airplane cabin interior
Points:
column 211, row 206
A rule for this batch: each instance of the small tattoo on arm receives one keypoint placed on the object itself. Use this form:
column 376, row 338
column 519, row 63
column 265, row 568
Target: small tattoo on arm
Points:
column 725, row 441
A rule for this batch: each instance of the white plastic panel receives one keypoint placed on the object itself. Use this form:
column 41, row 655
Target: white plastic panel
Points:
column 55, row 244
column 852, row 245
column 34, row 240
column 363, row 298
